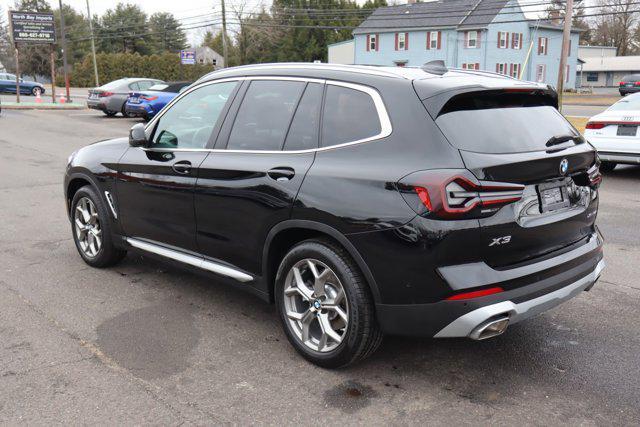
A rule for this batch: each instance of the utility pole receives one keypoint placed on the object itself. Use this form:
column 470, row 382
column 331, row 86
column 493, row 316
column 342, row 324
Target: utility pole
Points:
column 224, row 34
column 566, row 38
column 93, row 46
column 64, row 52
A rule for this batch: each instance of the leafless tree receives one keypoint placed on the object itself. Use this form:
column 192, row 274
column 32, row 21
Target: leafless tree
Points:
column 618, row 28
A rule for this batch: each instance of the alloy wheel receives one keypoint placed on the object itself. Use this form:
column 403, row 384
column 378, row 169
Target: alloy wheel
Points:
column 87, row 227
column 316, row 305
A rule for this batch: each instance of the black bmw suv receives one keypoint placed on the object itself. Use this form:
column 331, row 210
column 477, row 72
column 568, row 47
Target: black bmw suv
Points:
column 362, row 201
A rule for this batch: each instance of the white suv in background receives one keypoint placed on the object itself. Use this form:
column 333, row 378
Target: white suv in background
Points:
column 614, row 133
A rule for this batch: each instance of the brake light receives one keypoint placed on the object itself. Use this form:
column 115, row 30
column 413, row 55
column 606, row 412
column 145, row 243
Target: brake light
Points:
column 149, row 98
column 456, row 194
column 636, row 83
column 621, row 83
column 104, row 94
column 476, row 294
column 595, row 125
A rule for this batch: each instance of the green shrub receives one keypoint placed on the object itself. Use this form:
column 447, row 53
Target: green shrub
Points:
column 113, row 66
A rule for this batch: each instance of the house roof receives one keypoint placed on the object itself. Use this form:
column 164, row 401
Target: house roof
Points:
column 552, row 26
column 612, row 63
column 434, row 14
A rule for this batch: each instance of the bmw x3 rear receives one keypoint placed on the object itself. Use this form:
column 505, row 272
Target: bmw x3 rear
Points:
column 422, row 202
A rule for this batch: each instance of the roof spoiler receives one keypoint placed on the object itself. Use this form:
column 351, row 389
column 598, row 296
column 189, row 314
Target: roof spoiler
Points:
column 435, row 67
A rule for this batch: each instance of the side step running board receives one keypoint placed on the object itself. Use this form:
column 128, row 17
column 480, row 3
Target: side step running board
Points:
column 191, row 260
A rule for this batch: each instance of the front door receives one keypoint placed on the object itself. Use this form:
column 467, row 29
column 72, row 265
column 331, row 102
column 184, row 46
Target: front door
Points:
column 155, row 184
column 250, row 183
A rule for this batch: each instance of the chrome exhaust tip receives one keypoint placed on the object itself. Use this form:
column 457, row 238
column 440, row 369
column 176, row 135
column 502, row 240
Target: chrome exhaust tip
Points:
column 490, row 328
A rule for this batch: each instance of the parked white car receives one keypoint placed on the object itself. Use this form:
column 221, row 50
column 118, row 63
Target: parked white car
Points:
column 614, row 133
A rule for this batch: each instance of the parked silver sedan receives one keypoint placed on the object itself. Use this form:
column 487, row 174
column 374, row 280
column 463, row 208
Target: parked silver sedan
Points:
column 111, row 97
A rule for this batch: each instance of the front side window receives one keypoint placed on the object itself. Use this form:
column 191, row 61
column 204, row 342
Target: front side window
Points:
column 350, row 115
column 190, row 121
column 265, row 114
column 472, row 39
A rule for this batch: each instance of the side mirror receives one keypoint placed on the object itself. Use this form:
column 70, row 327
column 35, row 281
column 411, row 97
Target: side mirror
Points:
column 138, row 136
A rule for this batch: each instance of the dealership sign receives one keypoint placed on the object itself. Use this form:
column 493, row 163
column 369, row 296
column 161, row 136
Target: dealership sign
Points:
column 188, row 57
column 31, row 27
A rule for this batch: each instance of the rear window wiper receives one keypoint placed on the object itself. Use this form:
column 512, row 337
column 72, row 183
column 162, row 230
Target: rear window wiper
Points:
column 560, row 139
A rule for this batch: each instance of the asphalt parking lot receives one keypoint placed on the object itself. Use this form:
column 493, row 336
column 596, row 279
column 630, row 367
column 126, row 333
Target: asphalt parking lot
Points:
column 146, row 343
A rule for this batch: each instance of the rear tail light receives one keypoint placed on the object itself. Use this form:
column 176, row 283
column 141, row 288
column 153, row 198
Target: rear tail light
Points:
column 595, row 125
column 104, row 94
column 636, row 83
column 456, row 194
column 621, row 83
column 149, row 98
column 476, row 294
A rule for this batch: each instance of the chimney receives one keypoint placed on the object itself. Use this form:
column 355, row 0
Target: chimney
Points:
column 555, row 17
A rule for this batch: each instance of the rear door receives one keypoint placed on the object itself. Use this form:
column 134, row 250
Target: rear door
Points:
column 249, row 183
column 519, row 138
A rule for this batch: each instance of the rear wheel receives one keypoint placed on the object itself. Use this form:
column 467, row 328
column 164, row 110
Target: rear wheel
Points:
column 36, row 91
column 607, row 166
column 124, row 112
column 325, row 305
column 110, row 113
column 92, row 231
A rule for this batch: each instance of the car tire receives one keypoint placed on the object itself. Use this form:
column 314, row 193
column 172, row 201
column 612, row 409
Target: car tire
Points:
column 607, row 166
column 110, row 113
column 91, row 229
column 124, row 112
column 35, row 91
column 346, row 309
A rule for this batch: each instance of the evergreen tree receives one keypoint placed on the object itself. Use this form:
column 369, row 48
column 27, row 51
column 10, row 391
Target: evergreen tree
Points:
column 123, row 29
column 166, row 34
column 6, row 48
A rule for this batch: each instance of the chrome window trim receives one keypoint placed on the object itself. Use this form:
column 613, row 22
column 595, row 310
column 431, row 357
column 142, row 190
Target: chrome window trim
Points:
column 195, row 261
column 383, row 116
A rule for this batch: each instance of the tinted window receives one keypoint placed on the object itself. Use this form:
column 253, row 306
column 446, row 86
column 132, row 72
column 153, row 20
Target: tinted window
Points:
column 495, row 124
column 144, row 85
column 349, row 115
column 264, row 116
column 190, row 121
column 303, row 133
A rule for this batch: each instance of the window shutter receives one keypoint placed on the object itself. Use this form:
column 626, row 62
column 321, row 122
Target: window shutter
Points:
column 513, row 40
column 428, row 39
column 396, row 41
column 406, row 41
column 466, row 39
column 497, row 68
column 539, row 45
column 511, row 69
column 464, row 66
column 377, row 42
column 506, row 41
column 520, row 44
column 546, row 45
column 477, row 65
column 478, row 40
column 569, row 47
column 368, row 42
column 499, row 38
column 439, row 39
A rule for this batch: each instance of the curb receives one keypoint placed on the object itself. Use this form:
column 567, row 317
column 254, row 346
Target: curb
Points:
column 43, row 106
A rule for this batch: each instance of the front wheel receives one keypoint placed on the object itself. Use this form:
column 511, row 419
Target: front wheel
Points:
column 92, row 230
column 325, row 305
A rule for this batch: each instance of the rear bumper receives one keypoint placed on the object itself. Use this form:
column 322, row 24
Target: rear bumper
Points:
column 96, row 105
column 137, row 110
column 624, row 90
column 529, row 290
column 624, row 158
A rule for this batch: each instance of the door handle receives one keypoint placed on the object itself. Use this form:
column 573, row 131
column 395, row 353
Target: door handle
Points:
column 183, row 167
column 281, row 173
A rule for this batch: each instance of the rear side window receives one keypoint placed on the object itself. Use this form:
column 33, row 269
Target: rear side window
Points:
column 265, row 114
column 502, row 123
column 349, row 115
column 303, row 133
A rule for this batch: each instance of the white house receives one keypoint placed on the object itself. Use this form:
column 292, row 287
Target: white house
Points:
column 602, row 68
column 342, row 52
column 206, row 55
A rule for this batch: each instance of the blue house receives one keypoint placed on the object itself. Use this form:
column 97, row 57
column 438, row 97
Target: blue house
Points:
column 485, row 35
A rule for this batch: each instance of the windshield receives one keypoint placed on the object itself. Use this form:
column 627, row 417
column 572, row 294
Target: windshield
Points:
column 631, row 102
column 504, row 130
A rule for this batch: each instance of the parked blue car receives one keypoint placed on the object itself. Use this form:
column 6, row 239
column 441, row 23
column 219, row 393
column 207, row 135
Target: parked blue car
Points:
column 8, row 85
column 148, row 103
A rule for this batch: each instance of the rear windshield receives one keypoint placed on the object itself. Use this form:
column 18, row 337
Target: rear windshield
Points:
column 631, row 102
column 513, row 123
column 631, row 78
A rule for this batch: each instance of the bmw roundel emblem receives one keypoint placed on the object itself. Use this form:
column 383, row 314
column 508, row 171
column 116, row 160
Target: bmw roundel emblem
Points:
column 564, row 167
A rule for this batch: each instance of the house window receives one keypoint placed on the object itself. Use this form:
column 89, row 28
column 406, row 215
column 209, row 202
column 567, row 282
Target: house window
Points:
column 402, row 41
column 501, row 68
column 471, row 66
column 471, row 38
column 542, row 45
column 592, row 76
column 433, row 40
column 540, row 72
column 372, row 42
column 503, row 39
column 516, row 40
column 514, row 71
